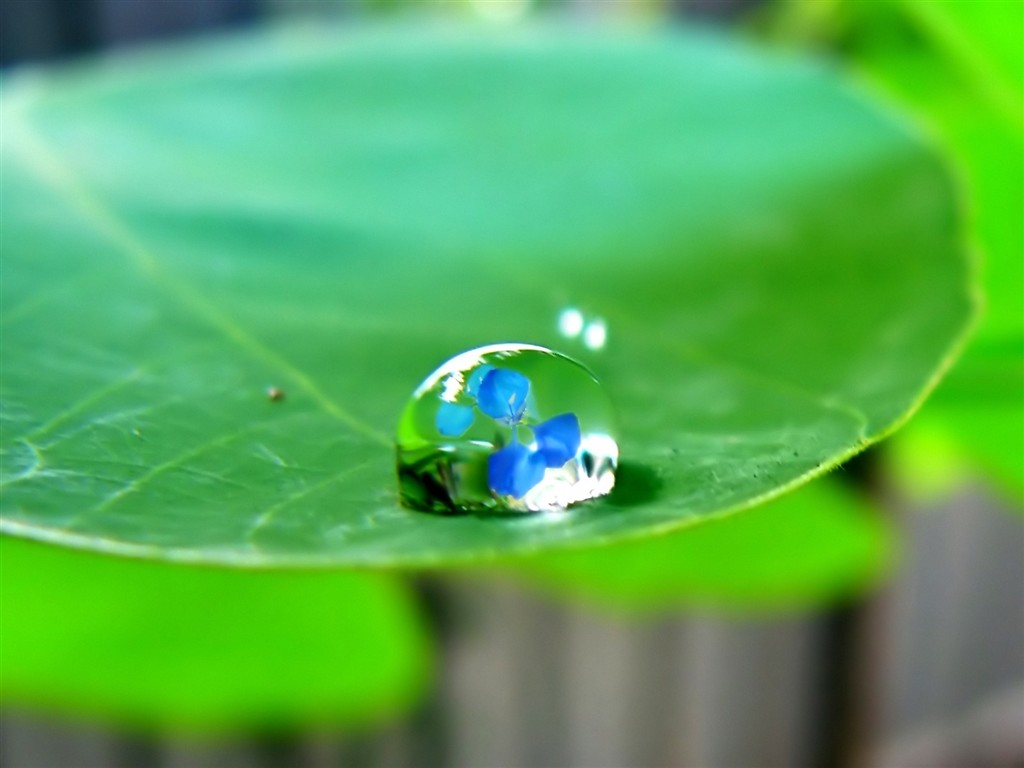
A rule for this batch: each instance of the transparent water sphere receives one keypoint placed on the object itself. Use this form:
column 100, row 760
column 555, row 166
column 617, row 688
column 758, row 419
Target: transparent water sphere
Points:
column 506, row 428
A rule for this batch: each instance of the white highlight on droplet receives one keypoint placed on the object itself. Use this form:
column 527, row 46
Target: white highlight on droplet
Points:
column 451, row 387
column 596, row 334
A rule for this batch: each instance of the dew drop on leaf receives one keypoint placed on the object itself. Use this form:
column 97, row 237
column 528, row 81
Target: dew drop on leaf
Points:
column 506, row 428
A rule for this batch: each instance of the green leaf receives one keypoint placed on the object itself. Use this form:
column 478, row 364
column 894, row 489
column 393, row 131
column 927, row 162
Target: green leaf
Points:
column 981, row 408
column 949, row 445
column 959, row 67
column 809, row 547
column 334, row 214
column 981, row 40
column 162, row 645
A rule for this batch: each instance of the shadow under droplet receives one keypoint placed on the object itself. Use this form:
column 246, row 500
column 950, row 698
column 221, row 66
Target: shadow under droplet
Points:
column 636, row 484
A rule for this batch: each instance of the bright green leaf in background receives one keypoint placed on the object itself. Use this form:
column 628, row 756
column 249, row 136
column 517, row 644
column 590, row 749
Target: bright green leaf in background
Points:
column 958, row 67
column 964, row 75
column 778, row 264
column 162, row 645
column 811, row 546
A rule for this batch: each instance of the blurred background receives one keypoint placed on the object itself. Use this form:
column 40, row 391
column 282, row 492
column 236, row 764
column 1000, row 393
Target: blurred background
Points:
column 925, row 668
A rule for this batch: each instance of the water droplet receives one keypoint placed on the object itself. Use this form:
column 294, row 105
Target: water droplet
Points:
column 506, row 428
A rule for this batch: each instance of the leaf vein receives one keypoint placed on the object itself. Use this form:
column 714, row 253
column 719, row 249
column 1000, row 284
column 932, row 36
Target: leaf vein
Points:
column 269, row 514
column 45, row 162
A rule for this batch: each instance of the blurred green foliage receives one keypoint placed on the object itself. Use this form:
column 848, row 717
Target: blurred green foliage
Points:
column 153, row 645
column 957, row 68
column 815, row 545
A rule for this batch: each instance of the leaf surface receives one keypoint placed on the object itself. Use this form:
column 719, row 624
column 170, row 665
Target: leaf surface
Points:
column 776, row 262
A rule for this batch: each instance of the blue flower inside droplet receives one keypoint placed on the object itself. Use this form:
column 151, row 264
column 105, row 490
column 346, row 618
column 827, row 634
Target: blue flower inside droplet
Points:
column 514, row 470
column 558, row 439
column 502, row 395
column 477, row 376
column 453, row 420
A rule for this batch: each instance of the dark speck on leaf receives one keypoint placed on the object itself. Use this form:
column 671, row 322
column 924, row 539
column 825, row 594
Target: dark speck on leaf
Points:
column 275, row 394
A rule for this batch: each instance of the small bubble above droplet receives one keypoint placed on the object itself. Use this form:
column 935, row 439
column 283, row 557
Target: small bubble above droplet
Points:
column 595, row 336
column 570, row 322
column 506, row 428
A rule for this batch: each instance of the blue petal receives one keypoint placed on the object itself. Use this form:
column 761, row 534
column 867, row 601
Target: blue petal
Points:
column 473, row 382
column 558, row 439
column 514, row 470
column 502, row 395
column 453, row 420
